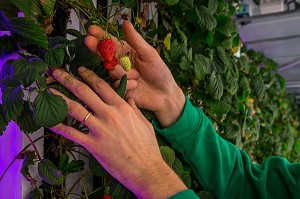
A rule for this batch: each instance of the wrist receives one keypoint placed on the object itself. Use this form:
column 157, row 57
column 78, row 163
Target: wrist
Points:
column 161, row 183
column 172, row 108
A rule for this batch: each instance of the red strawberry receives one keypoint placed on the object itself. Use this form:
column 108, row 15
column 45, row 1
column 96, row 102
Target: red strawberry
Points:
column 106, row 48
column 106, row 196
column 110, row 65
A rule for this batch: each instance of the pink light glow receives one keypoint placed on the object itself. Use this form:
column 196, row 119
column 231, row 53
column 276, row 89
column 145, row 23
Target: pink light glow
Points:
column 10, row 146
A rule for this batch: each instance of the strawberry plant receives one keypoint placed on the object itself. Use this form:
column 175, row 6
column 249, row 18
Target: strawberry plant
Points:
column 244, row 96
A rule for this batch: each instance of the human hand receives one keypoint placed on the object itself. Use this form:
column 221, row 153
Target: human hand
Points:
column 150, row 82
column 120, row 138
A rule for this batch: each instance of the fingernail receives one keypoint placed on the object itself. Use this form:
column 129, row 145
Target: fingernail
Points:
column 82, row 69
column 57, row 73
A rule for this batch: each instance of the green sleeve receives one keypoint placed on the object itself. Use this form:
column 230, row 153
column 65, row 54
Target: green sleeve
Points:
column 186, row 194
column 223, row 169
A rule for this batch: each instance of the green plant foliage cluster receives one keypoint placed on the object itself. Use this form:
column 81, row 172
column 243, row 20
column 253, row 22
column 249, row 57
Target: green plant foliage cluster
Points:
column 244, row 96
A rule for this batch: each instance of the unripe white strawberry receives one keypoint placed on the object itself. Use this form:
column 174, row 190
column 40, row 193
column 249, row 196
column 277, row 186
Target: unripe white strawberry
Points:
column 125, row 63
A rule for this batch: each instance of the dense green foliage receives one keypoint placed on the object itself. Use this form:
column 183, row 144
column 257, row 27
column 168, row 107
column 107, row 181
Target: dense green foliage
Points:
column 244, row 96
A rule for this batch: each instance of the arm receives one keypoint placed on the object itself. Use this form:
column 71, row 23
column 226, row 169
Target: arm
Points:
column 222, row 168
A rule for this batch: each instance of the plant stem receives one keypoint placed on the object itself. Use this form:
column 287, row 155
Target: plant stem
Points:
column 96, row 190
column 77, row 181
column 81, row 22
column 80, row 153
column 212, row 115
column 81, row 178
column 33, row 145
column 16, row 157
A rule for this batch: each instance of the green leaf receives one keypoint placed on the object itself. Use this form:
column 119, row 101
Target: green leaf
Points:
column 121, row 90
column 42, row 82
column 20, row 66
column 192, row 15
column 34, row 194
column 227, row 43
column 7, row 44
column 177, row 167
column 209, row 38
column 8, row 9
column 244, row 63
column 130, row 3
column 168, row 155
column 168, row 2
column 12, row 98
column 96, row 168
column 6, row 70
column 49, row 109
column 178, row 50
column 74, row 166
column 213, row 6
column 206, row 195
column 258, row 87
column 3, row 121
column 223, row 57
column 226, row 25
column 55, row 57
column 39, row 65
column 30, row 8
column 59, row 42
column 215, row 86
column 232, row 83
column 27, row 28
column 179, row 31
column 49, row 172
column 183, row 6
column 219, row 106
column 29, row 157
column 48, row 7
column 26, row 121
column 206, row 19
column 186, row 176
column 244, row 88
column 200, row 64
column 185, row 63
column 82, row 56
column 63, row 161
column 117, row 190
column 25, row 71
column 73, row 32
column 232, row 129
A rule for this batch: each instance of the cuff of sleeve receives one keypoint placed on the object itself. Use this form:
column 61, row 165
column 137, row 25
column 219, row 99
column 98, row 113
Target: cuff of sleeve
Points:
column 190, row 194
column 184, row 127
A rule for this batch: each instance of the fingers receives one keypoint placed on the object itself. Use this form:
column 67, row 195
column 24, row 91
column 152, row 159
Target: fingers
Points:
column 75, row 109
column 134, row 39
column 96, row 34
column 107, row 94
column 99, row 33
column 118, row 73
column 79, row 89
column 91, row 42
column 72, row 134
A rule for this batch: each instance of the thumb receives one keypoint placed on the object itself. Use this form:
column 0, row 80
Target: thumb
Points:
column 134, row 39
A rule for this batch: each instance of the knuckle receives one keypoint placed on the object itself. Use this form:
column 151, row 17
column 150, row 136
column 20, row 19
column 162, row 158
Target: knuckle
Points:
column 69, row 133
column 101, row 84
column 74, row 108
column 82, row 89
column 87, row 73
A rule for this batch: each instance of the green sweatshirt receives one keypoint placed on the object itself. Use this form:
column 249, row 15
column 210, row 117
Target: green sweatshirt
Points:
column 224, row 169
